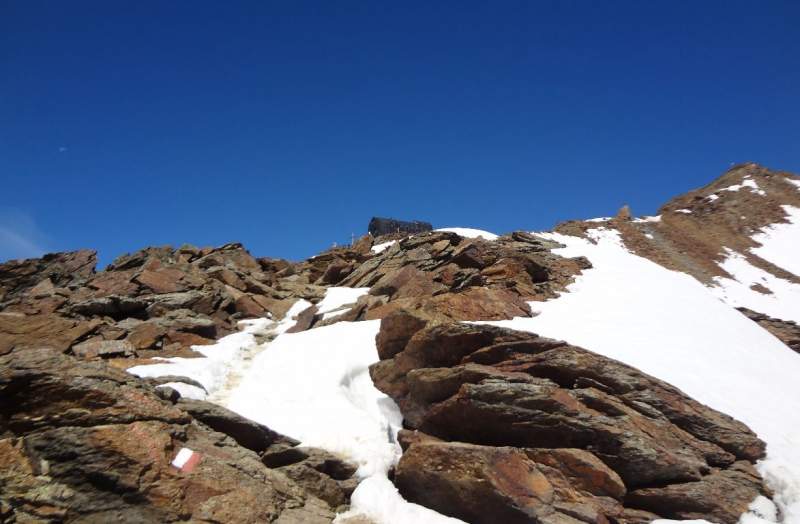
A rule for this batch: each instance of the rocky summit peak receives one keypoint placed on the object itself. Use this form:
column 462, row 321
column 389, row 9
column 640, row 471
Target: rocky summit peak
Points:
column 539, row 377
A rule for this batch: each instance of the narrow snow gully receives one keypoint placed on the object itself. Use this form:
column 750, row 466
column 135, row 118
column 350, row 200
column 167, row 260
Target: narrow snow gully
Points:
column 313, row 386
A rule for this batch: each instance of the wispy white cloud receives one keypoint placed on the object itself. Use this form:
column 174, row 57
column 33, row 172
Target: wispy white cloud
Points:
column 63, row 149
column 19, row 236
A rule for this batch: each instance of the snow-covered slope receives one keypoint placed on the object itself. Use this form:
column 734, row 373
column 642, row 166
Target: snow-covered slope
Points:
column 668, row 324
column 760, row 290
column 779, row 242
column 313, row 386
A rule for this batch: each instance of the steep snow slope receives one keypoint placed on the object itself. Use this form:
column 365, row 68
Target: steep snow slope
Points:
column 313, row 386
column 668, row 324
column 782, row 301
column 780, row 243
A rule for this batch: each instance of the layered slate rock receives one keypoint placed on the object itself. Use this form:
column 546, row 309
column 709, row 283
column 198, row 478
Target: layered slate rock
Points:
column 83, row 442
column 441, row 275
column 543, row 431
column 161, row 301
column 157, row 301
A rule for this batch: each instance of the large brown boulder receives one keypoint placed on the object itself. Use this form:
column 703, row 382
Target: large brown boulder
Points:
column 486, row 484
column 26, row 331
column 82, row 442
column 609, row 430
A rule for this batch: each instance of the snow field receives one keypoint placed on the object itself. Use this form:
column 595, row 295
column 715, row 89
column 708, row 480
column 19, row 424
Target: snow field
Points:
column 668, row 325
column 780, row 243
column 313, row 386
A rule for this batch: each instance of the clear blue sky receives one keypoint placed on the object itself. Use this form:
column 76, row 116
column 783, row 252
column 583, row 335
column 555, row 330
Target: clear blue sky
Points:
column 287, row 125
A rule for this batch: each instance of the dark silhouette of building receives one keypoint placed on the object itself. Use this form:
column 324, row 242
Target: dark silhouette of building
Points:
column 385, row 226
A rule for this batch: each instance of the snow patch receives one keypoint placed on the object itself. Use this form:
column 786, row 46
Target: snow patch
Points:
column 470, row 233
column 783, row 302
column 793, row 182
column 313, row 386
column 379, row 248
column 748, row 183
column 219, row 360
column 780, row 243
column 684, row 211
column 656, row 218
column 338, row 297
column 667, row 324
column 378, row 499
column 712, row 197
column 601, row 219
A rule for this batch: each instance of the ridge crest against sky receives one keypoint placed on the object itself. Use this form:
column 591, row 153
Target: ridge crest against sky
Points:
column 286, row 126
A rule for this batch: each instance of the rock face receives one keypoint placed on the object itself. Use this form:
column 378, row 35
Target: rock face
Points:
column 82, row 442
column 387, row 226
column 537, row 430
column 441, row 275
column 161, row 301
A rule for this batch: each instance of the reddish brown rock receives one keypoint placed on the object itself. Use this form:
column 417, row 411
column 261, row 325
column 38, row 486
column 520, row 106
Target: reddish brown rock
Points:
column 228, row 277
column 472, row 304
column 114, row 283
column 103, row 349
column 722, row 496
column 146, row 335
column 407, row 282
column 305, row 320
column 21, row 331
column 164, row 280
column 84, row 442
column 595, row 428
column 248, row 307
column 397, row 328
column 584, row 470
column 478, row 484
column 17, row 276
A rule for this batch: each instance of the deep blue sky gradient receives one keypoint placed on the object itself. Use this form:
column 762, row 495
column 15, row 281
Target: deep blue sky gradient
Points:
column 287, row 125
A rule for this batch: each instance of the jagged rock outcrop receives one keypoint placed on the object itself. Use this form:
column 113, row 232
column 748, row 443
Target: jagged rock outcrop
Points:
column 697, row 230
column 442, row 275
column 83, row 442
column 786, row 331
column 543, row 431
column 161, row 301
column 157, row 301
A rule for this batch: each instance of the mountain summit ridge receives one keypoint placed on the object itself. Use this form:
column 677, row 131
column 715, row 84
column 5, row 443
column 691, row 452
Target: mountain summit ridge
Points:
column 601, row 427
